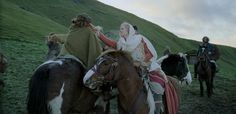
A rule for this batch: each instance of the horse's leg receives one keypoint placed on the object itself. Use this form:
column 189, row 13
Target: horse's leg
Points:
column 107, row 110
column 212, row 79
column 208, row 84
column 195, row 70
column 201, row 88
column 212, row 82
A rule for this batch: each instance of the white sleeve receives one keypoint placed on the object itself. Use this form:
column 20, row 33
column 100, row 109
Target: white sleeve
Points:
column 154, row 66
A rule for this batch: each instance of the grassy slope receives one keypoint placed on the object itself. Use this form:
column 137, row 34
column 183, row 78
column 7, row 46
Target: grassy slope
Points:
column 22, row 43
column 17, row 23
column 62, row 11
column 24, row 22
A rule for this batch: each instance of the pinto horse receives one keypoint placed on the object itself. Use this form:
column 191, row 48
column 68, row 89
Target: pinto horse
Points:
column 56, row 87
column 206, row 71
column 116, row 68
column 175, row 65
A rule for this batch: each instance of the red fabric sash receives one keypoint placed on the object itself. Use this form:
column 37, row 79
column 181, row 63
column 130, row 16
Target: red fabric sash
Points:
column 170, row 93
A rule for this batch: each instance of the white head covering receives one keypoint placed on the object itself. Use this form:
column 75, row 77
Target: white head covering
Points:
column 131, row 29
column 131, row 42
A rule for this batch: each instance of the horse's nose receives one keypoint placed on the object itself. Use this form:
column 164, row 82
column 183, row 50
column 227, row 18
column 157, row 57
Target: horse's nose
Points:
column 90, row 84
column 87, row 83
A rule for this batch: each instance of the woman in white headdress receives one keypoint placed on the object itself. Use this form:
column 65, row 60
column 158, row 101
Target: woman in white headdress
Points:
column 141, row 51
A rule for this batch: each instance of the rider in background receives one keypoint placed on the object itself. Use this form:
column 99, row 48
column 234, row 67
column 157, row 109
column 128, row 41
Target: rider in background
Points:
column 205, row 43
column 211, row 52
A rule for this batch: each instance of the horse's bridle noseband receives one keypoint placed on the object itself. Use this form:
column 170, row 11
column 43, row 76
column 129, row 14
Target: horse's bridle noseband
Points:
column 109, row 76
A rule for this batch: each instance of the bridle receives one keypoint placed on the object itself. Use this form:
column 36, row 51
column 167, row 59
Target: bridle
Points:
column 109, row 76
column 206, row 58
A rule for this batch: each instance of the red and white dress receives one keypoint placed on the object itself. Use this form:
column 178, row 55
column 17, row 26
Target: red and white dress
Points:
column 140, row 48
column 143, row 51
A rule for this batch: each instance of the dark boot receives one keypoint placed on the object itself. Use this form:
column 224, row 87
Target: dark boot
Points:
column 215, row 66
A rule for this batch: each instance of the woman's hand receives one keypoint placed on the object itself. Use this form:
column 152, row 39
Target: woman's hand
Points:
column 96, row 29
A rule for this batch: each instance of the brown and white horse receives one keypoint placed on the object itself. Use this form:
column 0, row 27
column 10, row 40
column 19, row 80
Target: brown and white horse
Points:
column 56, row 87
column 175, row 65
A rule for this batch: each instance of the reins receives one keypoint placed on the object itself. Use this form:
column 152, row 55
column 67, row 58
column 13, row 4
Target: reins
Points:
column 109, row 76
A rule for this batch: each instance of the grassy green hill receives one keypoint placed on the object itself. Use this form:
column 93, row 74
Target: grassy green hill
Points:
column 23, row 23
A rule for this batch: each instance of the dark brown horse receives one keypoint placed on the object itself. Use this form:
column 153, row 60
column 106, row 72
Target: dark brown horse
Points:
column 56, row 87
column 116, row 68
column 3, row 66
column 206, row 72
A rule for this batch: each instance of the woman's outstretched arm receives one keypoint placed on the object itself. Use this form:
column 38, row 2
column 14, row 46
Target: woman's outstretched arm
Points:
column 107, row 41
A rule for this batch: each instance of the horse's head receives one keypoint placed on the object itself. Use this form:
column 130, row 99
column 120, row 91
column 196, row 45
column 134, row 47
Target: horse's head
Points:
column 116, row 69
column 176, row 65
column 202, row 55
column 53, row 47
column 3, row 63
column 105, row 71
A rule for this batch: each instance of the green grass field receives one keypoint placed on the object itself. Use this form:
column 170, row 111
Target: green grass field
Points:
column 24, row 23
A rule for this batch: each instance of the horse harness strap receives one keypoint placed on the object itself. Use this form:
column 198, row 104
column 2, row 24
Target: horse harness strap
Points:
column 110, row 76
column 207, row 62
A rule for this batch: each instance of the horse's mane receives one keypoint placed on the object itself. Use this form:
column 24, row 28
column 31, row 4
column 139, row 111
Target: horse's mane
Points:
column 117, row 53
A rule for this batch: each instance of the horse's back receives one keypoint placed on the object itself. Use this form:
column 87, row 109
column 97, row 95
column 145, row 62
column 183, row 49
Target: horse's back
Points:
column 52, row 79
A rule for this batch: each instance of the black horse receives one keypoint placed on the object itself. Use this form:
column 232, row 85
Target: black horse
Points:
column 206, row 71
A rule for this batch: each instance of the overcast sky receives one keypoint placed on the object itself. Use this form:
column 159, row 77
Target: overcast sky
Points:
column 190, row 19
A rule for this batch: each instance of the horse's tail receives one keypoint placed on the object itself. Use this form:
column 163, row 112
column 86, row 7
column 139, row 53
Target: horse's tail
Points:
column 37, row 96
